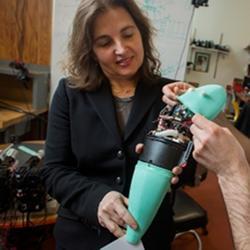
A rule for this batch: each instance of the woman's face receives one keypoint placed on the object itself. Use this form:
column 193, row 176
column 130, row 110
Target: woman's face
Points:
column 117, row 44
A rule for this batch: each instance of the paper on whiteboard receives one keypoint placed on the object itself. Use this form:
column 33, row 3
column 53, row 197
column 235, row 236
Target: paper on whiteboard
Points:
column 171, row 18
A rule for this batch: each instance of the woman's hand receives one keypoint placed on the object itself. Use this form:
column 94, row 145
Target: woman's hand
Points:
column 172, row 90
column 176, row 170
column 215, row 147
column 113, row 214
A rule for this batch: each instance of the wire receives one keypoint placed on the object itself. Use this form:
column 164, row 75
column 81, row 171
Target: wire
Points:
column 195, row 234
column 14, row 108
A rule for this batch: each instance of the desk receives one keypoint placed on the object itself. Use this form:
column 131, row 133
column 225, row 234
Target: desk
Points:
column 17, row 233
column 9, row 118
column 29, row 96
column 16, row 219
column 22, row 125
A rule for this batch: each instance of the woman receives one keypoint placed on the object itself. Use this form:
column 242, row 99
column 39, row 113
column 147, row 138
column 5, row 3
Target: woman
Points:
column 98, row 115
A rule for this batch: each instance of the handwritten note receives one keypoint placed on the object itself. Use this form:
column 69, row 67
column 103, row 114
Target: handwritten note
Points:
column 172, row 19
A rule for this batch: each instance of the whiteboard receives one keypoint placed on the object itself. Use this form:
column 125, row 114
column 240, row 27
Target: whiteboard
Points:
column 171, row 18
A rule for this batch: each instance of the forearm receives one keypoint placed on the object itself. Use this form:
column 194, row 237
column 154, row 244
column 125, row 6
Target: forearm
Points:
column 243, row 140
column 236, row 192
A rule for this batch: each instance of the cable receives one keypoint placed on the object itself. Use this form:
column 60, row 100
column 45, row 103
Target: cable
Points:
column 195, row 234
column 25, row 78
column 14, row 108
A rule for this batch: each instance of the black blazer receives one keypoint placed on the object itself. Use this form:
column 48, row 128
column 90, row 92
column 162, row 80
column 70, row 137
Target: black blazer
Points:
column 86, row 157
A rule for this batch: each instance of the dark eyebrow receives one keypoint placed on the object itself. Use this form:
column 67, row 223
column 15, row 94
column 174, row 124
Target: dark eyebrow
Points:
column 101, row 37
column 128, row 27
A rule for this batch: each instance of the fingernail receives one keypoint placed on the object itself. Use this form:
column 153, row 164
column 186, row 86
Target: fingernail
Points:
column 183, row 165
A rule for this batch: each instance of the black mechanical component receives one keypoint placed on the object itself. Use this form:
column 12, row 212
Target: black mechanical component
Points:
column 22, row 72
column 6, row 165
column 29, row 191
column 198, row 3
column 5, row 189
column 20, row 185
column 173, row 124
column 170, row 144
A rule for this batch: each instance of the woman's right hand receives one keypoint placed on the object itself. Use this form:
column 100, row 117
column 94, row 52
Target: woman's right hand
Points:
column 172, row 90
column 114, row 215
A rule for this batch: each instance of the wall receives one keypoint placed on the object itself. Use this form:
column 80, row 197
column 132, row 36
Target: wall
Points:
column 25, row 30
column 231, row 18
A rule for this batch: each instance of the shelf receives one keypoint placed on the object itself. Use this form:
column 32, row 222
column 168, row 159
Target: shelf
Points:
column 34, row 70
column 36, row 90
column 216, row 51
column 9, row 117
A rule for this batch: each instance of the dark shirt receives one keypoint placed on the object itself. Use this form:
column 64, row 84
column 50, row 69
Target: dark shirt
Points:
column 123, row 107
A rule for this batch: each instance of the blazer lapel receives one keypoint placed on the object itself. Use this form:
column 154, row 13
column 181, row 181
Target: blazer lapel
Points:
column 144, row 98
column 102, row 102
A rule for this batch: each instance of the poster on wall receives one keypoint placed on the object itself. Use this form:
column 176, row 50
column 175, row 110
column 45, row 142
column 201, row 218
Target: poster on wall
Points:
column 202, row 61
